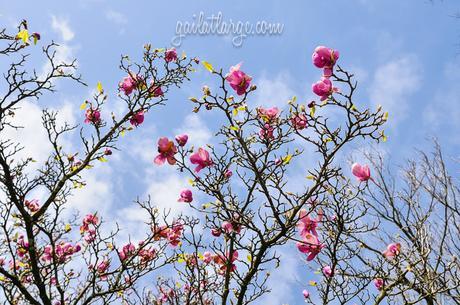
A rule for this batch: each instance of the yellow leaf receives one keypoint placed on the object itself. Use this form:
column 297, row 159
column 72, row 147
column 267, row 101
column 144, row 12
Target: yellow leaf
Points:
column 249, row 258
column 287, row 159
column 310, row 177
column 208, row 66
column 99, row 88
column 83, row 105
column 235, row 128
column 102, row 159
column 235, row 112
column 312, row 111
column 122, row 133
column 384, row 137
column 68, row 227
column 191, row 181
column 312, row 283
column 385, row 116
column 184, row 55
column 23, row 35
column 294, row 99
column 353, row 107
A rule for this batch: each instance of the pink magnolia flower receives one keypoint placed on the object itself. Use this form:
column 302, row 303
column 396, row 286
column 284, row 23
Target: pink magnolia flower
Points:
column 155, row 91
column 102, row 268
column 227, row 227
column 306, row 294
column 32, row 205
column 216, row 232
column 325, row 58
column 392, row 250
column 266, row 132
column 269, row 114
column 137, row 118
column 379, row 283
column 327, row 271
column 323, row 88
column 228, row 173
column 90, row 219
column 299, row 121
column 127, row 251
column 172, row 234
column 306, row 224
column 166, row 150
column 361, row 172
column 238, row 80
column 310, row 245
column 171, row 55
column 92, row 116
column 129, row 83
column 207, row 257
column 224, row 260
column 147, row 255
column 201, row 158
column 22, row 246
column 181, row 139
column 186, row 196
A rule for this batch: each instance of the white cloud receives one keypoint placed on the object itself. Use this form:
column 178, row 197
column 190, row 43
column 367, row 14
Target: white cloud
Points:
column 199, row 134
column 392, row 85
column 116, row 17
column 61, row 26
column 274, row 91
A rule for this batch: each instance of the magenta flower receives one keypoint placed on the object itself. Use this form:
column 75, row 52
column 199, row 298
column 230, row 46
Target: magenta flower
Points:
column 126, row 251
column 266, row 132
column 361, row 172
column 155, row 91
column 327, row 271
column 306, row 224
column 379, row 283
column 129, row 83
column 216, row 232
column 32, row 205
column 186, row 196
column 225, row 260
column 227, row 227
column 323, row 88
column 93, row 116
column 201, row 158
column 269, row 114
column 392, row 250
column 228, row 173
column 238, row 80
column 299, row 121
column 137, row 118
column 182, row 139
column 171, row 55
column 166, row 150
column 325, row 58
column 310, row 245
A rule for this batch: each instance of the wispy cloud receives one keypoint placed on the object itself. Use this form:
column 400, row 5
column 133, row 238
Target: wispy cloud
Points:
column 393, row 84
column 116, row 17
column 274, row 91
column 61, row 25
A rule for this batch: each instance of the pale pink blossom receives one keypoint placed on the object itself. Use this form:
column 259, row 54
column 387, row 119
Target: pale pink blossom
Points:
column 306, row 294
column 268, row 114
column 126, row 252
column 228, row 173
column 392, row 250
column 306, row 224
column 201, row 158
column 129, row 83
column 207, row 257
column 310, row 245
column 361, row 172
column 327, row 271
column 227, row 227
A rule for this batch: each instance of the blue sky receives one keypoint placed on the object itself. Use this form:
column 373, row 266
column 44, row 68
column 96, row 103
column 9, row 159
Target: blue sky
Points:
column 404, row 55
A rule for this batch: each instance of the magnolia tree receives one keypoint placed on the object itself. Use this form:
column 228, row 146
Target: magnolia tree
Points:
column 371, row 243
